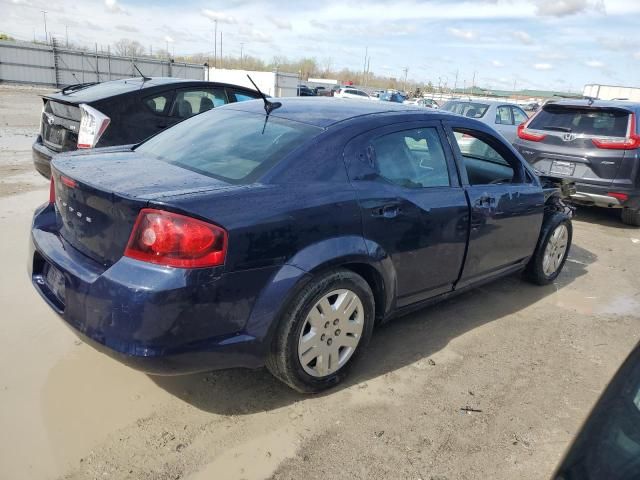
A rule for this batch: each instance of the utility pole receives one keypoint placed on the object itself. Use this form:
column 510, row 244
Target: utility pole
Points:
column 46, row 35
column 364, row 67
column 220, row 48
column 66, row 30
column 215, row 43
column 241, row 47
column 366, row 78
column 404, row 85
column 455, row 85
column 473, row 83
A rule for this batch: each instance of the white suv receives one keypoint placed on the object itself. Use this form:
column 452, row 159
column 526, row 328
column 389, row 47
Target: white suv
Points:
column 348, row 92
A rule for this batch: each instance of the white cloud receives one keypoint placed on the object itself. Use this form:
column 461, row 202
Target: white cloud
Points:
column 594, row 63
column 464, row 34
column 522, row 37
column 563, row 8
column 543, row 66
column 127, row 28
column 218, row 16
column 636, row 55
column 113, row 6
column 280, row 23
column 169, row 39
column 497, row 63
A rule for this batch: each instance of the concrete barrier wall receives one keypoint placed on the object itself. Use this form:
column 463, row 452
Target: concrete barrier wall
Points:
column 23, row 62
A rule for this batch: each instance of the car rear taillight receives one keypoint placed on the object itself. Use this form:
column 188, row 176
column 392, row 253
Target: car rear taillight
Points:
column 630, row 142
column 176, row 240
column 92, row 125
column 526, row 134
column 52, row 191
column 623, row 197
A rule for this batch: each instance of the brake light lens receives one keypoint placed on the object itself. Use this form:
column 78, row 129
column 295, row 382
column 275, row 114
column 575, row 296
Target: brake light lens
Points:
column 52, row 191
column 526, row 134
column 623, row 197
column 175, row 240
column 630, row 142
column 92, row 125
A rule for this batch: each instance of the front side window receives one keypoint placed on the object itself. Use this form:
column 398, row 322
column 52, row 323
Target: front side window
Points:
column 411, row 158
column 239, row 96
column 467, row 109
column 227, row 144
column 193, row 102
column 484, row 165
column 503, row 115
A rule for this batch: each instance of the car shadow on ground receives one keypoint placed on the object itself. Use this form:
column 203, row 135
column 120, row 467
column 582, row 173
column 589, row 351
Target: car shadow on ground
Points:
column 394, row 345
column 607, row 217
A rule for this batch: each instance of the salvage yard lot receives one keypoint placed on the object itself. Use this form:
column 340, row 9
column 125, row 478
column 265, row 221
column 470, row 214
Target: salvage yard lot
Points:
column 492, row 384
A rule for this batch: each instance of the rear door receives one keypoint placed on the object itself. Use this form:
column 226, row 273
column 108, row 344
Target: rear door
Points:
column 506, row 201
column 566, row 147
column 414, row 210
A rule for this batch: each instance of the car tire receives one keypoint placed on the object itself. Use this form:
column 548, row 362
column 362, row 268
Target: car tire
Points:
column 312, row 322
column 631, row 216
column 552, row 250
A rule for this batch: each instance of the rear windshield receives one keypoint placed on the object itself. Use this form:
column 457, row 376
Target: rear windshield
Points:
column 229, row 145
column 70, row 112
column 587, row 121
column 468, row 109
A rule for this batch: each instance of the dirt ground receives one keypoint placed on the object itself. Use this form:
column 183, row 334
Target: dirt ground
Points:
column 531, row 361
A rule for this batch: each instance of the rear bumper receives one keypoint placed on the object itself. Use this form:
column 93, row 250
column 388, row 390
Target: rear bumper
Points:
column 597, row 196
column 42, row 155
column 156, row 319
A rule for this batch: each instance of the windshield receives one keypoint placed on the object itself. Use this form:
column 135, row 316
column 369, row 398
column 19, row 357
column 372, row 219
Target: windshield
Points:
column 587, row 121
column 227, row 144
column 468, row 109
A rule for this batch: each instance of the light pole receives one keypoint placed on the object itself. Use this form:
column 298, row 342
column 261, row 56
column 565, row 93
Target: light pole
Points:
column 215, row 43
column 241, row 47
column 66, row 29
column 46, row 35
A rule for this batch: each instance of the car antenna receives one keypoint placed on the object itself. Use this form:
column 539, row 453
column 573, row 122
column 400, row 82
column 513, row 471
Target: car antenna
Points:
column 144, row 79
column 268, row 105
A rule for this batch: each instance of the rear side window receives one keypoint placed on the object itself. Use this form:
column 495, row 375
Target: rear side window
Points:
column 233, row 146
column 587, row 121
column 411, row 158
column 519, row 116
column 158, row 103
column 193, row 102
column 503, row 115
column 468, row 109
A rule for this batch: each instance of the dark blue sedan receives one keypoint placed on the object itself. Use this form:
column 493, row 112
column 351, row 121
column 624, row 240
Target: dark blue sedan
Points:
column 240, row 238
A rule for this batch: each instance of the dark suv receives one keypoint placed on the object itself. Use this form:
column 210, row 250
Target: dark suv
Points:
column 596, row 144
column 122, row 112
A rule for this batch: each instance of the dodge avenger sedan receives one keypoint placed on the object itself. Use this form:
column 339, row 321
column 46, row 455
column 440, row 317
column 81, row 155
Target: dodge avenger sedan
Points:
column 281, row 234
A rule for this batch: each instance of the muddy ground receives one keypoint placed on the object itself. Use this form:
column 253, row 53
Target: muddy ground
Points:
column 531, row 360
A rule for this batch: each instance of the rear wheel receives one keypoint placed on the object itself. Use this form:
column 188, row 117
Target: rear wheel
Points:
column 323, row 331
column 631, row 216
column 552, row 250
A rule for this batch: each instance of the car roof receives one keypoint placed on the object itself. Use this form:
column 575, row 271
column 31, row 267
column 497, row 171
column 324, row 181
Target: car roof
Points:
column 621, row 104
column 100, row 91
column 485, row 102
column 326, row 111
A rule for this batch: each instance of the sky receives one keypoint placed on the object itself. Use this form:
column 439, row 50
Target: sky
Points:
column 535, row 44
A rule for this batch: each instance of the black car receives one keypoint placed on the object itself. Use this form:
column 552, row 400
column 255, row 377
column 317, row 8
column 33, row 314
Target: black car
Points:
column 122, row 112
column 596, row 144
column 608, row 446
column 304, row 91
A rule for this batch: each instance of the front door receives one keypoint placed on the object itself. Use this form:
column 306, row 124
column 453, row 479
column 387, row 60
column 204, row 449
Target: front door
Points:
column 507, row 204
column 414, row 210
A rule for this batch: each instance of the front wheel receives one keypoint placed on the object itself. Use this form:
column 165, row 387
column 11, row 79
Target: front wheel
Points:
column 323, row 331
column 552, row 250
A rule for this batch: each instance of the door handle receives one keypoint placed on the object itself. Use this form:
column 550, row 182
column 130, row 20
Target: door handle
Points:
column 386, row 211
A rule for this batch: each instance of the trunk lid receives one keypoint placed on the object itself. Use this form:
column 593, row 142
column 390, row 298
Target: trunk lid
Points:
column 60, row 123
column 567, row 149
column 99, row 196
